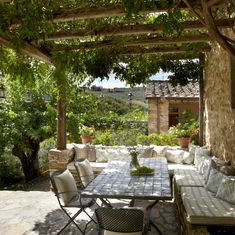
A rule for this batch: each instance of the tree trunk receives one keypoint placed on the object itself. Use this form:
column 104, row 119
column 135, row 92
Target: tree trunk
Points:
column 29, row 160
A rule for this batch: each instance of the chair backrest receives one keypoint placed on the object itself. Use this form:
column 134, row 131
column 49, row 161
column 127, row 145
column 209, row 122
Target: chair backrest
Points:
column 64, row 185
column 120, row 220
column 84, row 171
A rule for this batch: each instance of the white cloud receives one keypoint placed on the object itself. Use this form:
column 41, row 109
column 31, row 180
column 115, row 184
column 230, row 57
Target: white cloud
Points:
column 111, row 82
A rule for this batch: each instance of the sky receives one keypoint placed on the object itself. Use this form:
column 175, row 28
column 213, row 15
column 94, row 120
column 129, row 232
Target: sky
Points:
column 111, row 82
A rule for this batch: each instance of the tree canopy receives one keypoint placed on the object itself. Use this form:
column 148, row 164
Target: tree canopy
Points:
column 134, row 39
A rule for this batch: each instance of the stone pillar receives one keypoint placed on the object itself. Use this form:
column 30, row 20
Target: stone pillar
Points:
column 220, row 117
column 59, row 160
column 158, row 116
column 164, row 115
column 152, row 116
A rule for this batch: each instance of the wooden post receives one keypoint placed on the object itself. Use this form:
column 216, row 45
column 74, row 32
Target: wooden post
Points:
column 61, row 109
column 201, row 101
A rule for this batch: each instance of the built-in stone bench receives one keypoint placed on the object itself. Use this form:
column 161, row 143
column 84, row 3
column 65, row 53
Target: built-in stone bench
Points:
column 99, row 156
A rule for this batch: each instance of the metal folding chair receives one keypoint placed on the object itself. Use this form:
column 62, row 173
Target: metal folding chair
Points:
column 120, row 221
column 65, row 189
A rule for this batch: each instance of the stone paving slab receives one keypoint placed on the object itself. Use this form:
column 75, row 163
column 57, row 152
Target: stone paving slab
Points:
column 37, row 212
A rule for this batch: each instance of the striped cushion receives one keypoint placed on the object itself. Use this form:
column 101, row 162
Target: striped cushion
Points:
column 188, row 177
column 203, row 208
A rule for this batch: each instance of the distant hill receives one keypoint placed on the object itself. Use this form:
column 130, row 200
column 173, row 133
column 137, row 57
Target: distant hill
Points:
column 135, row 95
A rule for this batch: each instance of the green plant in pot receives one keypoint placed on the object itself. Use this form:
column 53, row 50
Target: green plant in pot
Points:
column 86, row 134
column 183, row 132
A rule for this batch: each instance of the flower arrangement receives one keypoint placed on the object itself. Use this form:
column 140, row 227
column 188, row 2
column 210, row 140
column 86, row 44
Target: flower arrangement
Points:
column 87, row 131
column 134, row 160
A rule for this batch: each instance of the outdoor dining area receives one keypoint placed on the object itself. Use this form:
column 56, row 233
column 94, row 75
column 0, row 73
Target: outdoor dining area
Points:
column 97, row 189
column 116, row 182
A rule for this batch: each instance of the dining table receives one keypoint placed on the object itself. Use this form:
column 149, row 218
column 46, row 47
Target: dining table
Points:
column 116, row 181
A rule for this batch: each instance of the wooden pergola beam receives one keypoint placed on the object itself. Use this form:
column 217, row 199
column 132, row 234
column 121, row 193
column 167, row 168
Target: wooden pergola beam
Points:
column 28, row 50
column 126, row 30
column 166, row 50
column 147, row 42
column 64, row 15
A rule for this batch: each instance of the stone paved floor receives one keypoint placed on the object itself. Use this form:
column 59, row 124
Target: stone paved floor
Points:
column 37, row 212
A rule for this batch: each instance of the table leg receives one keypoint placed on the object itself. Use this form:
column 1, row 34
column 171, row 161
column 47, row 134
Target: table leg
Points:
column 132, row 203
column 149, row 222
column 105, row 202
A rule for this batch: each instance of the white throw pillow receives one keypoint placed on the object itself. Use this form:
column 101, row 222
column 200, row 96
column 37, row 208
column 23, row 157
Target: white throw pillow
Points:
column 226, row 190
column 199, row 153
column 66, row 183
column 101, row 155
column 204, row 166
column 145, row 152
column 85, row 171
column 124, row 152
column 188, row 157
column 159, row 151
column 175, row 156
column 214, row 180
column 85, row 151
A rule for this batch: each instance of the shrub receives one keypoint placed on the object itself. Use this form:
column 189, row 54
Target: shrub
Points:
column 45, row 146
column 10, row 171
column 130, row 137
column 105, row 138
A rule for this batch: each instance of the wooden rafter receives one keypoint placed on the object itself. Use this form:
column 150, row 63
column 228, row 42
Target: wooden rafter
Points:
column 204, row 14
column 163, row 50
column 130, row 30
column 147, row 42
column 28, row 50
column 64, row 15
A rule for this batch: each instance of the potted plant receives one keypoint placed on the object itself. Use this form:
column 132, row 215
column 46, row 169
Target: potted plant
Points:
column 86, row 134
column 183, row 132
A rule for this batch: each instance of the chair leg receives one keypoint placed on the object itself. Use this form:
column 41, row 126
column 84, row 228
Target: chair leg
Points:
column 71, row 220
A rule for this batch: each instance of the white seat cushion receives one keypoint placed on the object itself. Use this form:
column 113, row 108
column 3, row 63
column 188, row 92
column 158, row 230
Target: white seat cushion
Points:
column 66, row 183
column 203, row 208
column 172, row 167
column 188, row 177
column 85, row 171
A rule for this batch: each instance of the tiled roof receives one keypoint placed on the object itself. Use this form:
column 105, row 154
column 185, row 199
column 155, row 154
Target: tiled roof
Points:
column 163, row 89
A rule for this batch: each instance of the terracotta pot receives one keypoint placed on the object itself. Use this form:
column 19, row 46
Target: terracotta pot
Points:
column 86, row 139
column 184, row 141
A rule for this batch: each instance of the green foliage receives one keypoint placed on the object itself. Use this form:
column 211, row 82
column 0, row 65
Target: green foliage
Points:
column 142, row 170
column 183, row 71
column 45, row 146
column 188, row 126
column 105, row 138
column 10, row 171
column 29, row 21
column 131, row 137
column 86, row 131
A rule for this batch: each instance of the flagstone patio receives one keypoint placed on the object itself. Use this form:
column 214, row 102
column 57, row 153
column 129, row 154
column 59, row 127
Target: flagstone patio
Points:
column 38, row 212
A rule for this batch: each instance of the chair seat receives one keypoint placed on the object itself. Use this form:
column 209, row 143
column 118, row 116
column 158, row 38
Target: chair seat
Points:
column 83, row 202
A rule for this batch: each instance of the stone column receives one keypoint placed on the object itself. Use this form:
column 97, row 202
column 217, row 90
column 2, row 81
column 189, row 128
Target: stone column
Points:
column 158, row 116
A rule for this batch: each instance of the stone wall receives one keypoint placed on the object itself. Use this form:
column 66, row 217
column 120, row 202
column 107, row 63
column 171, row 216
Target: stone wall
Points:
column 219, row 116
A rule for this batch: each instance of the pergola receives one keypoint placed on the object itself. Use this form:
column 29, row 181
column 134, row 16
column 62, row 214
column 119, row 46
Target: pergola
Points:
column 204, row 22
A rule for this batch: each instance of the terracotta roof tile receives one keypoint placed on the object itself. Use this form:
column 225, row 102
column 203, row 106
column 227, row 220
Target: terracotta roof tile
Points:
column 163, row 89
